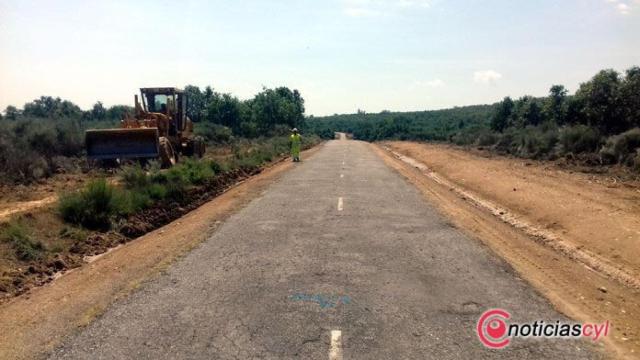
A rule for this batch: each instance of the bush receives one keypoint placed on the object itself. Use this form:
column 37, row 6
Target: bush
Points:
column 636, row 161
column 34, row 148
column 144, row 188
column 214, row 133
column 134, row 177
column 621, row 148
column 96, row 205
column 487, row 138
column 196, row 172
column 579, row 139
column 535, row 143
column 25, row 247
column 507, row 142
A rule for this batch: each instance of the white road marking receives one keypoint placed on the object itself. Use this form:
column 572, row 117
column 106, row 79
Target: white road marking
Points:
column 341, row 175
column 340, row 204
column 343, row 163
column 335, row 351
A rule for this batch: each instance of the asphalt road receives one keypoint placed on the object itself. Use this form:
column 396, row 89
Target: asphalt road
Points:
column 340, row 257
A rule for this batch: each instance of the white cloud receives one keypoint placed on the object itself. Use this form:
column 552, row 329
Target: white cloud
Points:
column 622, row 7
column 486, row 76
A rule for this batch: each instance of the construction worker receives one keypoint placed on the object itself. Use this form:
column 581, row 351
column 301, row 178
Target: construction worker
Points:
column 296, row 141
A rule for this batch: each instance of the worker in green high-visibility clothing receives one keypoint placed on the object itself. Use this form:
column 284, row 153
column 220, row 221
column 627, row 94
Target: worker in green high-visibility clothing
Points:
column 296, row 143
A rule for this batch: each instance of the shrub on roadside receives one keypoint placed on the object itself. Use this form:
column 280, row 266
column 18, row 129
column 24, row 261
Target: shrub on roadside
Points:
column 24, row 246
column 134, row 176
column 33, row 148
column 621, row 148
column 214, row 133
column 537, row 144
column 579, row 139
column 95, row 206
column 196, row 172
column 487, row 138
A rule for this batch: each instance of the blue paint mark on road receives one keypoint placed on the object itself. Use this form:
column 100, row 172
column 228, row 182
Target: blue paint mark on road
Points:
column 325, row 301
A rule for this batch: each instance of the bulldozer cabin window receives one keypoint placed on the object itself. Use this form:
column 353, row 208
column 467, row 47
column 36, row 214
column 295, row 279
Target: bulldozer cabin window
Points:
column 158, row 103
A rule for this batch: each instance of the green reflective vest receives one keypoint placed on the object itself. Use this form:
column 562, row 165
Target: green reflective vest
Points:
column 296, row 141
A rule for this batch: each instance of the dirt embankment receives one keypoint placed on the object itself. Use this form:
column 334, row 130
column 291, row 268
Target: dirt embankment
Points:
column 16, row 281
column 574, row 236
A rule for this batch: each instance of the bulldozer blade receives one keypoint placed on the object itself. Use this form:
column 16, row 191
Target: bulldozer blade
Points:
column 122, row 143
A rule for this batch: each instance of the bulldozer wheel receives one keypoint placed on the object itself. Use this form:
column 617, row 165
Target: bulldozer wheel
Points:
column 167, row 155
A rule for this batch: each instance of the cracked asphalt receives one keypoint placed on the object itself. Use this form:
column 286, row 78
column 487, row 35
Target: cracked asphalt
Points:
column 278, row 276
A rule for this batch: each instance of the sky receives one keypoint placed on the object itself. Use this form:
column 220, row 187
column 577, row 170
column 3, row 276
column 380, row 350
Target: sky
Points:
column 342, row 55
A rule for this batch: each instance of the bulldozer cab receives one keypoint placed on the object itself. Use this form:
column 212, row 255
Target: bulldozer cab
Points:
column 168, row 101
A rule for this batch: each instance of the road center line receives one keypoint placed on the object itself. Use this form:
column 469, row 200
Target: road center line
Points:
column 340, row 204
column 335, row 351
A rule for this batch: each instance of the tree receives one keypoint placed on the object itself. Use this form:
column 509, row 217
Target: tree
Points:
column 280, row 106
column 117, row 112
column 500, row 119
column 98, row 112
column 208, row 94
column 555, row 105
column 630, row 97
column 227, row 110
column 532, row 113
column 11, row 112
column 196, row 103
column 600, row 97
column 49, row 107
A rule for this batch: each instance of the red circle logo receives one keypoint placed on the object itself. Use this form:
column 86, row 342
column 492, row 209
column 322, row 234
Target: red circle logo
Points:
column 492, row 328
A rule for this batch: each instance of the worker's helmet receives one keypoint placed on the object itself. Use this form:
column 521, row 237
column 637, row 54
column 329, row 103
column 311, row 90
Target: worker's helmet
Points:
column 295, row 130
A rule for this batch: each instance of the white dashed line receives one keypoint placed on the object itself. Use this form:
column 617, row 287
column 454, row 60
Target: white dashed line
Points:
column 335, row 352
column 340, row 204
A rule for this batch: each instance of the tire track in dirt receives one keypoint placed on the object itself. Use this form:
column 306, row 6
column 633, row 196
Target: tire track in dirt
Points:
column 24, row 206
column 545, row 237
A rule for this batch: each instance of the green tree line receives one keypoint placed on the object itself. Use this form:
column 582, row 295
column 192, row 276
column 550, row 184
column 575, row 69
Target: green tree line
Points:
column 599, row 124
column 270, row 112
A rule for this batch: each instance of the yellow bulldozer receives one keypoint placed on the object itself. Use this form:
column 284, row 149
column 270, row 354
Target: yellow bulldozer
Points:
column 159, row 129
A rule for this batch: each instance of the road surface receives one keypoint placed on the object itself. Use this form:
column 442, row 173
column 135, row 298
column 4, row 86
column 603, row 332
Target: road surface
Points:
column 340, row 258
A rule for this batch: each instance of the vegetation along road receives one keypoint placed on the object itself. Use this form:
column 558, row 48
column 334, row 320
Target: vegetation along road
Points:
column 342, row 258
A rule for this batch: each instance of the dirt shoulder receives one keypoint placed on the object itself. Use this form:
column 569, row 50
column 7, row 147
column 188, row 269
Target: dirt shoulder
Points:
column 600, row 217
column 573, row 236
column 39, row 320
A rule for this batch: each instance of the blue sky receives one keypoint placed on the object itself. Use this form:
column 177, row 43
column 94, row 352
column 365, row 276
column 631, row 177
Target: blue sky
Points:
column 343, row 55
